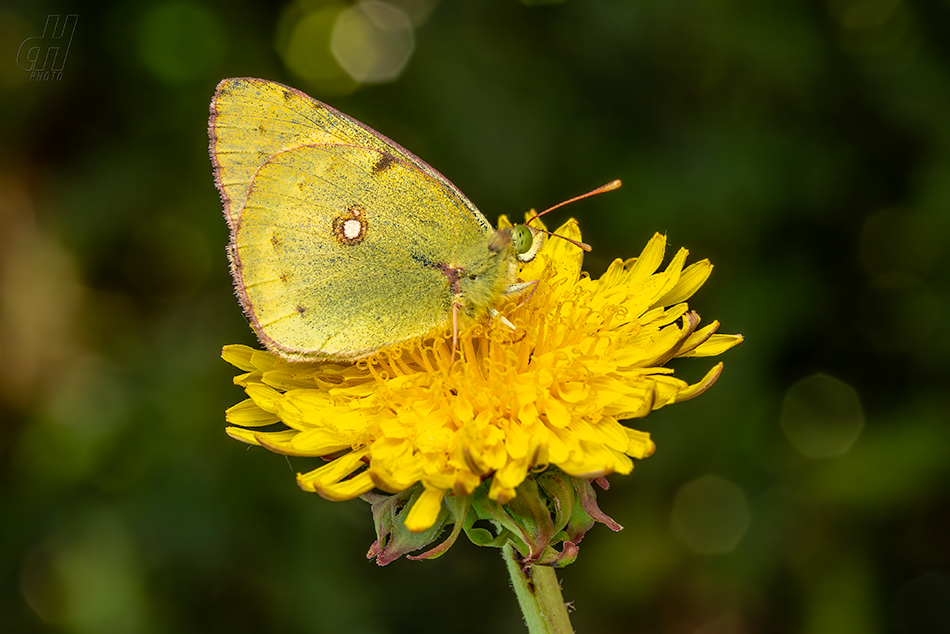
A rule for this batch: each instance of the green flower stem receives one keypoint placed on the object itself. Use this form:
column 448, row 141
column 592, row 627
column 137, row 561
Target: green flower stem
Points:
column 539, row 595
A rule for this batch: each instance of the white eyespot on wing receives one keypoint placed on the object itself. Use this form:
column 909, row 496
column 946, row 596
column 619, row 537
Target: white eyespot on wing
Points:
column 352, row 229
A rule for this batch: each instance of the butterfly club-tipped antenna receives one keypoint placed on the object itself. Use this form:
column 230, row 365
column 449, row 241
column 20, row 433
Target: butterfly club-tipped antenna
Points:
column 612, row 185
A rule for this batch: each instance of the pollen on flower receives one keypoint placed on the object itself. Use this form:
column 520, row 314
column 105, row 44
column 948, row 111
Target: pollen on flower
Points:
column 585, row 355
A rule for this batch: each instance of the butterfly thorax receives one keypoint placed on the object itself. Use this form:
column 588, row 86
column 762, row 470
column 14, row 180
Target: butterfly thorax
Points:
column 487, row 275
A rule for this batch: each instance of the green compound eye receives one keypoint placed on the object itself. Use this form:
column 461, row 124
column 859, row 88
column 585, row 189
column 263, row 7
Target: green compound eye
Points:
column 521, row 239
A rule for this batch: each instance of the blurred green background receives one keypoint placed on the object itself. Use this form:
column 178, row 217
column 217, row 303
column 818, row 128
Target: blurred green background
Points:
column 804, row 147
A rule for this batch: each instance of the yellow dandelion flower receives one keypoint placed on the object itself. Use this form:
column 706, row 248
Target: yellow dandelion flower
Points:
column 584, row 355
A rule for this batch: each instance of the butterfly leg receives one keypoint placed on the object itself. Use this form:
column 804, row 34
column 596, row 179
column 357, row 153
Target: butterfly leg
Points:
column 496, row 315
column 455, row 331
column 520, row 286
column 511, row 290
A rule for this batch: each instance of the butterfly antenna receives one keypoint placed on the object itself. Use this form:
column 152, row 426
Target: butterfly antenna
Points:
column 612, row 185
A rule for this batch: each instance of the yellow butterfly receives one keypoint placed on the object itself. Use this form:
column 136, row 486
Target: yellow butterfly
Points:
column 342, row 242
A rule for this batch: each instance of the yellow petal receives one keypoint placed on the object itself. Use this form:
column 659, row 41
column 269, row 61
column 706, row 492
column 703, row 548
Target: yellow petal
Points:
column 425, row 511
column 248, row 414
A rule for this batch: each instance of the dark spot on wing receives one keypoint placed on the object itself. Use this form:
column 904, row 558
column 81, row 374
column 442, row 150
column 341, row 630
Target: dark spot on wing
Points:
column 386, row 160
column 423, row 261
